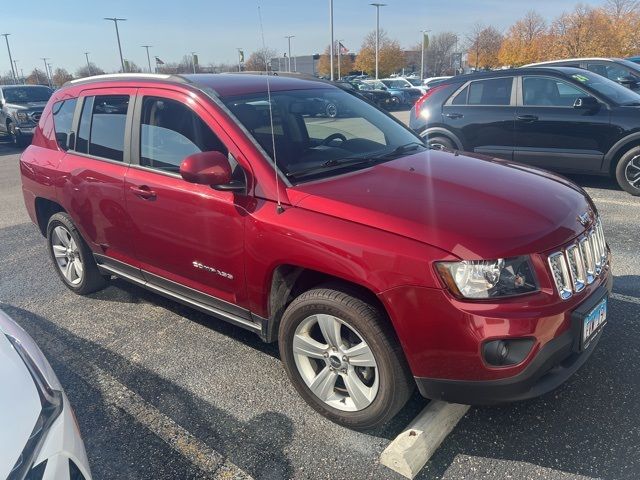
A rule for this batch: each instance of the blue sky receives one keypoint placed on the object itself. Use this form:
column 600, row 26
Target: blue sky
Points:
column 65, row 29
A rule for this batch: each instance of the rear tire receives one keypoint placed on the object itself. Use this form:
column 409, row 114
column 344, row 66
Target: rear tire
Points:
column 628, row 171
column 440, row 143
column 358, row 377
column 16, row 139
column 71, row 257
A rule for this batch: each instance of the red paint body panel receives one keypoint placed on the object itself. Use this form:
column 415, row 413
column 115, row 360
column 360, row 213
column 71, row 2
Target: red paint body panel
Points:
column 382, row 228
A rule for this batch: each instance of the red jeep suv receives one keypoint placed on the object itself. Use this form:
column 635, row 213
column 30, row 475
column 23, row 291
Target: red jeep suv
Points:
column 376, row 263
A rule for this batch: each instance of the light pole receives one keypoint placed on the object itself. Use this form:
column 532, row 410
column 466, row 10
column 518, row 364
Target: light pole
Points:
column 377, row 5
column 13, row 72
column 86, row 55
column 46, row 70
column 15, row 63
column 423, row 32
column 289, row 37
column 115, row 21
column 240, row 58
column 193, row 61
column 331, row 44
column 147, row 47
column 339, row 53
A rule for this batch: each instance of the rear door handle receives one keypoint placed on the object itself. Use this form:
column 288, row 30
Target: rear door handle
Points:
column 143, row 192
column 527, row 118
column 453, row 115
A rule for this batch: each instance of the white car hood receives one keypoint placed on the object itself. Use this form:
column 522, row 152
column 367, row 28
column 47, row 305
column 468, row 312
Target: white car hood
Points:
column 19, row 405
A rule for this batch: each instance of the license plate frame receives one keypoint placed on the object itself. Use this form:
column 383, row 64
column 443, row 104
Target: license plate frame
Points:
column 593, row 322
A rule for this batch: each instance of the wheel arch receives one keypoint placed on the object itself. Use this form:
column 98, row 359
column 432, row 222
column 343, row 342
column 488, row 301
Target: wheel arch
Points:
column 45, row 209
column 616, row 152
column 435, row 131
column 289, row 281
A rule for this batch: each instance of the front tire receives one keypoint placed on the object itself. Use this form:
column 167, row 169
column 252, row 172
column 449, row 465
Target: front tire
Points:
column 71, row 256
column 344, row 359
column 628, row 171
column 440, row 143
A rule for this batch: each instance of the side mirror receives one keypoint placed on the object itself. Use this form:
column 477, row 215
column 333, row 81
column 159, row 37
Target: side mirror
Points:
column 627, row 80
column 586, row 103
column 206, row 168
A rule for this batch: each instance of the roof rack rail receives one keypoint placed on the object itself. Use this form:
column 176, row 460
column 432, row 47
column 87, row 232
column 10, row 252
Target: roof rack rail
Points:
column 127, row 77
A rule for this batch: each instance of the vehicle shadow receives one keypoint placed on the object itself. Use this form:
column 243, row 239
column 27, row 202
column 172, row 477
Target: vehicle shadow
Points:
column 257, row 445
column 586, row 427
column 594, row 181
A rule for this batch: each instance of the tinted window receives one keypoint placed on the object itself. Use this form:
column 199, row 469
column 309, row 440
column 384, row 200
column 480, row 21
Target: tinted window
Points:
column 612, row 71
column 62, row 120
column 102, row 126
column 549, row 92
column 169, row 132
column 461, row 98
column 496, row 91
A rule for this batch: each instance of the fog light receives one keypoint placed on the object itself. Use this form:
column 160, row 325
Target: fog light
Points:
column 506, row 352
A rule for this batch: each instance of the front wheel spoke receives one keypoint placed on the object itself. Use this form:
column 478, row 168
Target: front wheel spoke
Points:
column 323, row 384
column 330, row 328
column 307, row 346
column 61, row 233
column 66, row 270
column 358, row 391
column 59, row 251
column 361, row 356
column 78, row 267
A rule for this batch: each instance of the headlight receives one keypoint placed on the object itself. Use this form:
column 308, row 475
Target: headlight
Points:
column 478, row 279
column 22, row 116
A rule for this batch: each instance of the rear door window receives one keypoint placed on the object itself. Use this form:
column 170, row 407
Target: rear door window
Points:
column 63, row 120
column 102, row 126
column 494, row 91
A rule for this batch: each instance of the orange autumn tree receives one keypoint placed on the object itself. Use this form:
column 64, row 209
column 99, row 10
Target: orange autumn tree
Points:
column 525, row 42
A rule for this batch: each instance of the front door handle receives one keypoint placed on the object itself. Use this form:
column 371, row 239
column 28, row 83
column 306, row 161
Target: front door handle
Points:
column 143, row 191
column 453, row 115
column 527, row 118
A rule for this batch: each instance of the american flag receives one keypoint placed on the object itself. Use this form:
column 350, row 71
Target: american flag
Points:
column 343, row 50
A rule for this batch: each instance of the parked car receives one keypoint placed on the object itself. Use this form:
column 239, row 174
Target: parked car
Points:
column 559, row 118
column 634, row 59
column 624, row 72
column 39, row 437
column 400, row 89
column 404, row 83
column 381, row 98
column 433, row 81
column 376, row 263
column 20, row 110
column 417, row 83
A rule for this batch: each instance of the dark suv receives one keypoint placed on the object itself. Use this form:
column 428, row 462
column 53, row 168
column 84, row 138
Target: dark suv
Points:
column 559, row 118
column 20, row 110
column 370, row 258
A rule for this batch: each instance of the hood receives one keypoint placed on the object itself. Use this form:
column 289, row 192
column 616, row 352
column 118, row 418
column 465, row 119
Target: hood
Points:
column 27, row 106
column 471, row 206
column 19, row 405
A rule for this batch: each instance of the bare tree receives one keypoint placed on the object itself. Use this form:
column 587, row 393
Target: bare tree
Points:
column 483, row 46
column 439, row 55
column 259, row 59
column 621, row 8
column 85, row 71
column 61, row 76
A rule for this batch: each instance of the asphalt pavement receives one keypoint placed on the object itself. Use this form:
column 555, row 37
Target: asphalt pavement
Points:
column 164, row 392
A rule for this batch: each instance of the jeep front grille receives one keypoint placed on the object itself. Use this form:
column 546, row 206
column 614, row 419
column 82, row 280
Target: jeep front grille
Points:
column 580, row 263
column 35, row 116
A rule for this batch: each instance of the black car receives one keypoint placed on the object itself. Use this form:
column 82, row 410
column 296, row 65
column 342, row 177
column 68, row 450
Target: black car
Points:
column 380, row 98
column 620, row 70
column 559, row 118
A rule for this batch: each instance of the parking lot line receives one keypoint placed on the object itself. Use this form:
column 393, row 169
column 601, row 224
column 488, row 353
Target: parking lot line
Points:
column 411, row 450
column 625, row 298
column 615, row 202
column 115, row 393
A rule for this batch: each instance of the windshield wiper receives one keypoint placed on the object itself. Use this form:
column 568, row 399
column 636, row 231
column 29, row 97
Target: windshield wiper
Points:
column 331, row 164
column 407, row 147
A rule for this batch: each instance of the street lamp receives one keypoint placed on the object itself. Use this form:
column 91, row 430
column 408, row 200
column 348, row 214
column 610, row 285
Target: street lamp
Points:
column 331, row 44
column 115, row 21
column 147, row 47
column 423, row 32
column 193, row 61
column 46, row 70
column 339, row 53
column 15, row 63
column 377, row 5
column 289, row 37
column 13, row 72
column 86, row 55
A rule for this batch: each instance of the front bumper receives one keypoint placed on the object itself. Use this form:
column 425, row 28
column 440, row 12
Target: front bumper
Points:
column 554, row 363
column 26, row 131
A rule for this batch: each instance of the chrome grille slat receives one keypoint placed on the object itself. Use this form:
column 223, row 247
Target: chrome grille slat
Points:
column 579, row 264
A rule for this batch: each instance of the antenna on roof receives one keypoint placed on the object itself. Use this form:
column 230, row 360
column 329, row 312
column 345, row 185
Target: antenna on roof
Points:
column 279, row 207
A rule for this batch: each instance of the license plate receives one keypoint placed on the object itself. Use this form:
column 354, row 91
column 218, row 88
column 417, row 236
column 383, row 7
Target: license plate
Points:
column 594, row 322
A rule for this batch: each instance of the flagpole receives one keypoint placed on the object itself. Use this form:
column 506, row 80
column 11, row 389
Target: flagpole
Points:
column 339, row 53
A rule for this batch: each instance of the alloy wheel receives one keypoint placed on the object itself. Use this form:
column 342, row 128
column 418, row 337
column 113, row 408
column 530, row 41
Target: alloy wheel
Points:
column 632, row 172
column 67, row 255
column 335, row 362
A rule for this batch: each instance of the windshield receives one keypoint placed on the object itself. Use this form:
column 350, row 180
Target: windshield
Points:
column 607, row 88
column 26, row 94
column 396, row 83
column 415, row 82
column 320, row 133
column 376, row 84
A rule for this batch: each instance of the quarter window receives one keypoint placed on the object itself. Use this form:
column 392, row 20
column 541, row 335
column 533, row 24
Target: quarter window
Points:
column 549, row 92
column 169, row 132
column 102, row 126
column 62, row 121
column 495, row 91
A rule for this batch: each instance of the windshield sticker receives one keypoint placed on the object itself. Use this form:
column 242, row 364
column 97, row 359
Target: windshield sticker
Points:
column 581, row 78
